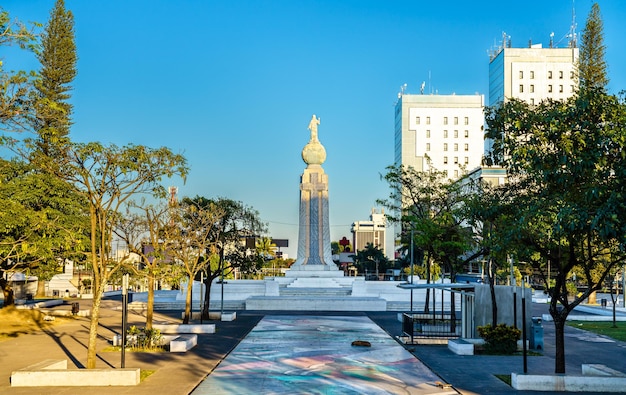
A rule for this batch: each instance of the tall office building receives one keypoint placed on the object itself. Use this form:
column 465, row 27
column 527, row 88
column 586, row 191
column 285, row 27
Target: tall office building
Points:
column 444, row 132
column 370, row 232
column 531, row 74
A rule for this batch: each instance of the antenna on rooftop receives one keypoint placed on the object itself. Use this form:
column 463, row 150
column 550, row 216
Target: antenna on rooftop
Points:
column 572, row 30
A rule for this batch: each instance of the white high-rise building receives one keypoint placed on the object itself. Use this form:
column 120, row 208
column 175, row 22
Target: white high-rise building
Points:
column 370, row 232
column 444, row 132
column 531, row 74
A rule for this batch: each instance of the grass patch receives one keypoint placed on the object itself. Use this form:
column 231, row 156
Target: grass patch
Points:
column 602, row 328
column 504, row 377
column 15, row 322
column 133, row 349
column 145, row 373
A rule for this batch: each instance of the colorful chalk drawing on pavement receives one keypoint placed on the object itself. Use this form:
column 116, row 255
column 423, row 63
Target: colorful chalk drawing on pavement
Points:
column 314, row 355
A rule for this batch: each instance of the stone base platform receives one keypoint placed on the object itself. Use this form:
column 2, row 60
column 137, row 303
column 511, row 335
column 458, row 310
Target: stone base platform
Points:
column 313, row 271
column 319, row 303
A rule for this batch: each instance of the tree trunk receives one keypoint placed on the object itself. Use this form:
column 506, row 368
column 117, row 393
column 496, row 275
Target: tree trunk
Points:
column 492, row 291
column 592, row 299
column 93, row 327
column 150, row 302
column 207, row 297
column 559, row 332
column 41, row 287
column 188, row 301
column 426, row 303
column 9, row 299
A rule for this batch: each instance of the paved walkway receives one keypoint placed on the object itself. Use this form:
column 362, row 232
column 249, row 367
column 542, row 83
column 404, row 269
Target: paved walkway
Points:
column 181, row 373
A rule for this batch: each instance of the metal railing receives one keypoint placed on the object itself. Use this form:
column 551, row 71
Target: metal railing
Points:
column 431, row 326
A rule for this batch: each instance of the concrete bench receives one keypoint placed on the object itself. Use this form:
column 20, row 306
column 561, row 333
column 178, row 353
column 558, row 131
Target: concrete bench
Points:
column 595, row 378
column 185, row 328
column 213, row 315
column 54, row 373
column 596, row 369
column 183, row 343
column 461, row 347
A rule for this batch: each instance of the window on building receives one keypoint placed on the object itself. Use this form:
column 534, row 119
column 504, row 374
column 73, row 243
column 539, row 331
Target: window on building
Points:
column 561, row 88
column 445, row 134
column 456, row 147
column 532, row 101
column 561, row 74
column 445, row 146
column 532, row 75
column 532, row 89
column 466, row 133
column 571, row 75
column 417, row 120
column 456, row 160
column 456, row 174
column 445, row 120
column 456, row 120
column 521, row 88
column 571, row 88
column 428, row 133
column 427, row 146
column 550, row 88
column 467, row 160
column 550, row 74
column 427, row 120
column 456, row 134
column 467, row 120
column 445, row 160
column 521, row 74
column 466, row 147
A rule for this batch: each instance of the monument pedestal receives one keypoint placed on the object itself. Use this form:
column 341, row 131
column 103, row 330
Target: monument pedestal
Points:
column 323, row 271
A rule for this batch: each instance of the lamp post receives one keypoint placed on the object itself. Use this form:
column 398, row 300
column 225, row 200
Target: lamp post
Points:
column 124, row 316
column 411, row 252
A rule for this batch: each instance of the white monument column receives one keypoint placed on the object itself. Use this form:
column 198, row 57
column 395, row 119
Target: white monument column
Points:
column 314, row 252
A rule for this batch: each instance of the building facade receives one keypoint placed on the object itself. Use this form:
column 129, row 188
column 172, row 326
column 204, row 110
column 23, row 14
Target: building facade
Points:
column 442, row 132
column 532, row 74
column 370, row 232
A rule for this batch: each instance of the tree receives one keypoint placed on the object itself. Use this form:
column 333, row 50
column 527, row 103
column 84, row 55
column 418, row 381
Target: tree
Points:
column 187, row 239
column 142, row 229
column 238, row 223
column 53, row 111
column 371, row 259
column 591, row 63
column 43, row 220
column 107, row 177
column 566, row 183
column 428, row 205
column 15, row 87
column 265, row 248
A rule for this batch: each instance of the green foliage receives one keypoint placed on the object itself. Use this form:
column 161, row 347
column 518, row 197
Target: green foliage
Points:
column 501, row 339
column 58, row 69
column 144, row 339
column 428, row 205
column 15, row 87
column 591, row 64
column 371, row 259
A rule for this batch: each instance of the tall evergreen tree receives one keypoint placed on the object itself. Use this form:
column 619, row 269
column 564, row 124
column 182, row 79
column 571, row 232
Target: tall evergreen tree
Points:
column 58, row 60
column 591, row 64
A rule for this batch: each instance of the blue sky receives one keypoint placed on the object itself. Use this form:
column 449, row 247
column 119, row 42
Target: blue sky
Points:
column 233, row 84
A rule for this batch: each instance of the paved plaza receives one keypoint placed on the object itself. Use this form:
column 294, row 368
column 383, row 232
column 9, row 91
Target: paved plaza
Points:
column 314, row 355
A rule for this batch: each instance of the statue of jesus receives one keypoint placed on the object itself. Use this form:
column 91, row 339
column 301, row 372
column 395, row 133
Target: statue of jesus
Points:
column 313, row 127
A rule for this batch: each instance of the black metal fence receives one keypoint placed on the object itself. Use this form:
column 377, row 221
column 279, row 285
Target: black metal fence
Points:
column 431, row 326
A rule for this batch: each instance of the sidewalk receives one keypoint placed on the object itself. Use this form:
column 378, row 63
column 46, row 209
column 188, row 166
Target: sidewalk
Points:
column 180, row 373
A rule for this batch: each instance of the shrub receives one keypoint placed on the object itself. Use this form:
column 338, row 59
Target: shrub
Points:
column 501, row 339
column 143, row 339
